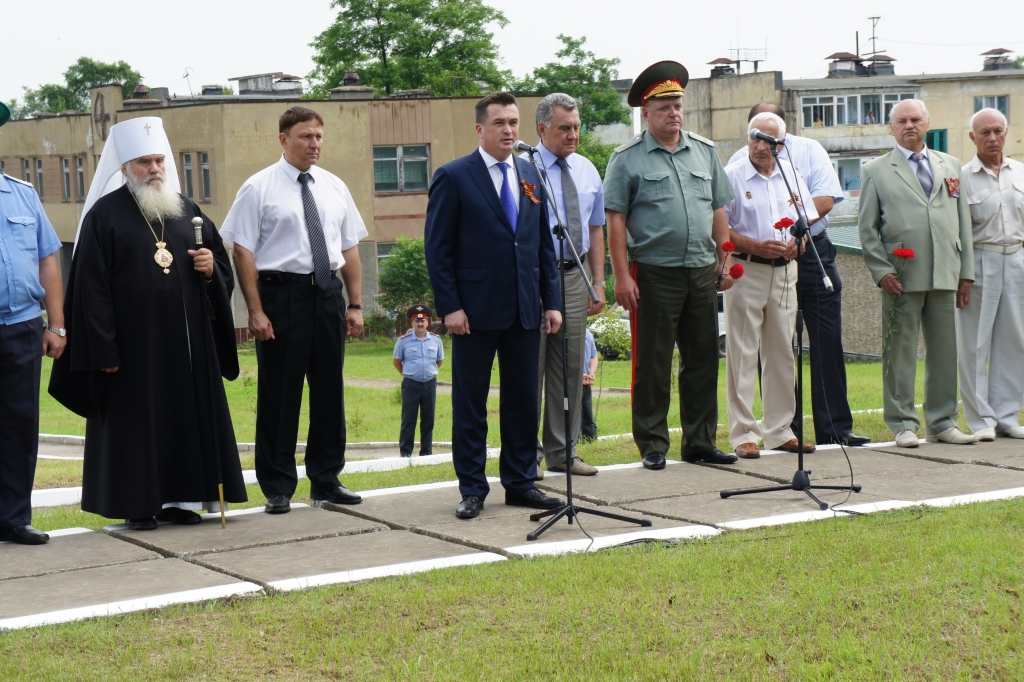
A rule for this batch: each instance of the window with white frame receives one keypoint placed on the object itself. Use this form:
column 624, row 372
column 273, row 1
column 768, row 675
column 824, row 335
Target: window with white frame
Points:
column 891, row 99
column 26, row 171
column 66, row 177
column 843, row 110
column 999, row 102
column 2, row 166
column 39, row 177
column 80, row 177
column 204, row 164
column 186, row 171
column 401, row 168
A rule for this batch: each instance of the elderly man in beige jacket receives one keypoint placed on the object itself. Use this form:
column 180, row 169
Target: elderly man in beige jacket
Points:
column 910, row 199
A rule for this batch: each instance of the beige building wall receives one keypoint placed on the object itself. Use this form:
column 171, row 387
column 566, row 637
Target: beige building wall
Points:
column 951, row 105
column 717, row 108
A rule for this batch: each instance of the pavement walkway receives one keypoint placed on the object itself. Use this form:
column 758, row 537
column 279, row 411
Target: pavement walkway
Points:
column 399, row 531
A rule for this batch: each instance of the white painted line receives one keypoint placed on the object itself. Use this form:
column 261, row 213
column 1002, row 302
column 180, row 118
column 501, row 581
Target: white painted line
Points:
column 872, row 507
column 212, row 517
column 119, row 607
column 67, row 459
column 61, row 439
column 416, row 488
column 386, row 571
column 68, row 531
column 56, row 497
column 781, row 519
column 605, row 541
column 974, row 497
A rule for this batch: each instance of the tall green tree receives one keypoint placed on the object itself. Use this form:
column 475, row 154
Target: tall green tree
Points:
column 586, row 77
column 73, row 94
column 403, row 279
column 439, row 45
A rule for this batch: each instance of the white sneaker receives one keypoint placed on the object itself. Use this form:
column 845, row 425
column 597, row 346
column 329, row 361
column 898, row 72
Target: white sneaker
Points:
column 1013, row 432
column 906, row 439
column 989, row 433
column 952, row 435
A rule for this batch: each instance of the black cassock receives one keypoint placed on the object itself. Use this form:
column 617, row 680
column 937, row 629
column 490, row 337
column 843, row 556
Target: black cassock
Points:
column 149, row 435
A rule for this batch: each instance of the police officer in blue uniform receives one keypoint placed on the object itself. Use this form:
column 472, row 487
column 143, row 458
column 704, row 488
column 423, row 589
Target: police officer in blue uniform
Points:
column 418, row 355
column 28, row 274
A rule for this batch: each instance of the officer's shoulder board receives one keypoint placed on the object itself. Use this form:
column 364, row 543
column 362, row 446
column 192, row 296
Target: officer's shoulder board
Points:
column 436, row 336
column 695, row 136
column 407, row 334
column 633, row 142
column 20, row 182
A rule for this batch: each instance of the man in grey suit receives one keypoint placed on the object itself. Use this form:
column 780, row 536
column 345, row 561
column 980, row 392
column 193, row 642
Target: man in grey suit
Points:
column 910, row 199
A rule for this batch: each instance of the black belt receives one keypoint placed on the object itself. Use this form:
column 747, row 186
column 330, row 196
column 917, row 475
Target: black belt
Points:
column 567, row 265
column 774, row 262
column 278, row 277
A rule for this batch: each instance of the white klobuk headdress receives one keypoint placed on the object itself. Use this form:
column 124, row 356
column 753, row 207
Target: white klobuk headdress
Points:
column 129, row 140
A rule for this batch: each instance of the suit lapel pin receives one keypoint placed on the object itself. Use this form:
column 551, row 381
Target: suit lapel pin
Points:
column 749, row 195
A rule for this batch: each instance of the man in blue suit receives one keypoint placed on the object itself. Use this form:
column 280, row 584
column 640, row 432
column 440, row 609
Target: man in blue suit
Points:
column 492, row 265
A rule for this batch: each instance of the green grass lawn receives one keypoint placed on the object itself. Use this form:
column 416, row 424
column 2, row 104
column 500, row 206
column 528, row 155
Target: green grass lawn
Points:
column 919, row 594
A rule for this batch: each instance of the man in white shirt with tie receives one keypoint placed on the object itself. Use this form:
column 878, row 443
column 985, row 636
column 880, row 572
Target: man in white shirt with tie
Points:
column 293, row 226
column 579, row 196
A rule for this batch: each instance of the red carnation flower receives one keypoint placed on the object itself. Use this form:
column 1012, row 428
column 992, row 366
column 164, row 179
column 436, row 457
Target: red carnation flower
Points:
column 728, row 247
column 903, row 253
column 783, row 224
column 736, row 271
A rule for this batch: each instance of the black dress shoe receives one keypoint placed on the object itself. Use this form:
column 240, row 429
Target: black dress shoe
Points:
column 470, row 507
column 144, row 523
column 339, row 495
column 654, row 461
column 23, row 535
column 278, row 504
column 182, row 517
column 711, row 456
column 855, row 441
column 532, row 498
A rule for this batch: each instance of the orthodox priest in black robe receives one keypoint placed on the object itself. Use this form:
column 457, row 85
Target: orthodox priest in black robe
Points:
column 139, row 366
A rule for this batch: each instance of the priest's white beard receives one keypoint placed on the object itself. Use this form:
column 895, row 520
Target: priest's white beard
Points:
column 156, row 198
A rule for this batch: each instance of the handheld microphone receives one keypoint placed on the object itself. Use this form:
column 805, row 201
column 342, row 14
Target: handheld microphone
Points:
column 197, row 225
column 756, row 134
column 521, row 147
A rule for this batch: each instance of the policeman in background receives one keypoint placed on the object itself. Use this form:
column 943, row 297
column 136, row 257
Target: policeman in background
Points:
column 418, row 355
column 28, row 274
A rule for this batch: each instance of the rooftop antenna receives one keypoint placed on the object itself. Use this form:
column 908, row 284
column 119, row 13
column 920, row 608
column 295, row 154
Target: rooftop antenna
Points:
column 743, row 54
column 188, row 70
column 874, row 47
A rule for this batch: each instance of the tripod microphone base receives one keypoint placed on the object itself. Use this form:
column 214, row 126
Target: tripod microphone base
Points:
column 801, row 483
column 571, row 510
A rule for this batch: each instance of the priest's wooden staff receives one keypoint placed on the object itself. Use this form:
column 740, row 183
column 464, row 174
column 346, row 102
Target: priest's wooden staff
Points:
column 211, row 374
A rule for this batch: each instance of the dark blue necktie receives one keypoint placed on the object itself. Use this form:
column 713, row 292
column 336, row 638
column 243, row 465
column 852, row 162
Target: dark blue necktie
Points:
column 317, row 243
column 508, row 200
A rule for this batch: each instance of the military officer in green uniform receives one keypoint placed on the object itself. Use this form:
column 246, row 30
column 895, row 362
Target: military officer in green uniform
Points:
column 665, row 192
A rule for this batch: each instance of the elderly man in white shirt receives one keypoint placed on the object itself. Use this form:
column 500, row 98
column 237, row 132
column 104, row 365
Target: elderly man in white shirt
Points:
column 823, row 309
column 760, row 309
column 990, row 328
column 579, row 196
column 293, row 226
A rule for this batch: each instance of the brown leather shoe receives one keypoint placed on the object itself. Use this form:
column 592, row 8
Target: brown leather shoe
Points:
column 748, row 450
column 792, row 444
column 579, row 468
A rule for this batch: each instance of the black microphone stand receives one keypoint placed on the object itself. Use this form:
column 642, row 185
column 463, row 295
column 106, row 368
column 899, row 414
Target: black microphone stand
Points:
column 569, row 509
column 802, row 478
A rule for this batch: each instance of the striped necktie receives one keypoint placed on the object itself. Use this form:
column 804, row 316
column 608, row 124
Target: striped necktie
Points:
column 317, row 243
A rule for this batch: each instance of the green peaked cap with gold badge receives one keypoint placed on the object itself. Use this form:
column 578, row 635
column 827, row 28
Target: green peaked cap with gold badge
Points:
column 5, row 113
column 664, row 79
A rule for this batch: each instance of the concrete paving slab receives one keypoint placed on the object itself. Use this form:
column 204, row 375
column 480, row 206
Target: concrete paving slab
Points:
column 1007, row 452
column 106, row 590
column 826, row 464
column 427, row 505
column 343, row 559
column 955, row 479
column 497, row 534
column 68, row 550
column 633, row 482
column 254, row 528
column 711, row 509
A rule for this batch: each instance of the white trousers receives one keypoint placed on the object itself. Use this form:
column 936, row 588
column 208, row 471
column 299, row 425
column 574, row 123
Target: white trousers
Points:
column 760, row 316
column 990, row 342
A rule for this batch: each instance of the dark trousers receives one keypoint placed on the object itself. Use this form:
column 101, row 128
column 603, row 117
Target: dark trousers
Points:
column 588, row 427
column 678, row 307
column 823, row 315
column 309, row 345
column 417, row 397
column 518, row 352
column 21, row 348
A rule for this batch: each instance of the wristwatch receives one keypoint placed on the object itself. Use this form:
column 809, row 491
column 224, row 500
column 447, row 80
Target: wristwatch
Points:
column 59, row 331
column 354, row 306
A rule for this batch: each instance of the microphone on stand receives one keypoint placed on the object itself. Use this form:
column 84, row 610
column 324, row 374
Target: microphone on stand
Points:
column 521, row 147
column 756, row 134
